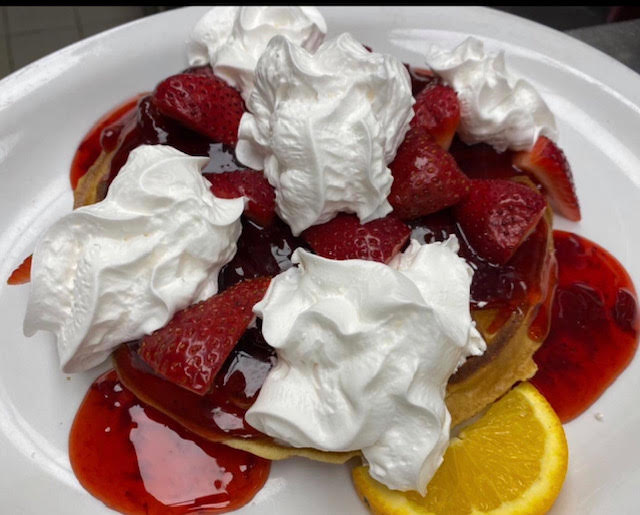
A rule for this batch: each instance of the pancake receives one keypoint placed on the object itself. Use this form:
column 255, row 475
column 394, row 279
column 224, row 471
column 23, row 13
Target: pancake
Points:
column 513, row 333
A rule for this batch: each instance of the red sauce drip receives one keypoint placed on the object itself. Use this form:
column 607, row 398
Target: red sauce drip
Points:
column 594, row 326
column 92, row 144
column 218, row 414
column 138, row 461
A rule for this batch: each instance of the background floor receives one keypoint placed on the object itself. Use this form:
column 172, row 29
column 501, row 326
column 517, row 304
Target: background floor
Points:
column 30, row 32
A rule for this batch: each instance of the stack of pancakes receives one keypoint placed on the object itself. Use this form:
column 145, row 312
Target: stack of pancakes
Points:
column 511, row 343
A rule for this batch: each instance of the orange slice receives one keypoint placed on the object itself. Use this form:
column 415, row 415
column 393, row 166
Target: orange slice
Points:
column 513, row 460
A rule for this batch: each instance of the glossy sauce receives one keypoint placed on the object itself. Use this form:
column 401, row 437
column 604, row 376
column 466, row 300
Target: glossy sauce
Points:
column 220, row 413
column 92, row 144
column 138, row 461
column 262, row 251
column 594, row 327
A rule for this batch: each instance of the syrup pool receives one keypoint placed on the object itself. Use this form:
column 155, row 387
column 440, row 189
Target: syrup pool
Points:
column 594, row 326
column 138, row 461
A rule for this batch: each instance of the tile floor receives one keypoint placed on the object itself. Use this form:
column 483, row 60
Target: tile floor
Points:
column 30, row 32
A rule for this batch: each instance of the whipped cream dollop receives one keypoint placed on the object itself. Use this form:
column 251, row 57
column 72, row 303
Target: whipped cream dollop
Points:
column 495, row 108
column 232, row 38
column 365, row 351
column 324, row 126
column 114, row 271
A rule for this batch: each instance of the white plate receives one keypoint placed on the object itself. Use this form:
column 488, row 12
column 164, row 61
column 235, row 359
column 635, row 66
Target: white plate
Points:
column 46, row 108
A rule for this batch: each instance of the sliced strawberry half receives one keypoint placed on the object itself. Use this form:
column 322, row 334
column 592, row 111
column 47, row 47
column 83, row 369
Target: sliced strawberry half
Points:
column 203, row 103
column 22, row 274
column 549, row 166
column 426, row 178
column 498, row 215
column 437, row 110
column 190, row 350
column 261, row 207
column 344, row 237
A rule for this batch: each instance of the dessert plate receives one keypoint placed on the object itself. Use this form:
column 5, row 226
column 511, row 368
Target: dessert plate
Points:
column 46, row 108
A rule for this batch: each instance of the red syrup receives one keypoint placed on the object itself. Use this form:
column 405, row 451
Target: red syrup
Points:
column 219, row 414
column 262, row 251
column 138, row 461
column 594, row 327
column 91, row 146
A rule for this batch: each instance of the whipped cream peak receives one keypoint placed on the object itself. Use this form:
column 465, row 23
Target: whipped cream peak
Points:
column 324, row 126
column 495, row 107
column 114, row 271
column 232, row 38
column 363, row 364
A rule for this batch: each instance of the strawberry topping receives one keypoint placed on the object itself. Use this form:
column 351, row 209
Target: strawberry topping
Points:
column 344, row 237
column 22, row 274
column 190, row 350
column 203, row 103
column 498, row 215
column 426, row 178
column 261, row 207
column 437, row 110
column 549, row 166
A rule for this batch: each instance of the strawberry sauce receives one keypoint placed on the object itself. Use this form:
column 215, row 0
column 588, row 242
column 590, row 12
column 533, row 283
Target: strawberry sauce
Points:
column 93, row 143
column 138, row 461
column 594, row 327
column 220, row 413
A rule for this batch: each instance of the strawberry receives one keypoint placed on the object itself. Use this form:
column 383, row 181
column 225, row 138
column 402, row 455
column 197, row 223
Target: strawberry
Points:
column 261, row 207
column 22, row 274
column 437, row 109
column 205, row 104
column 549, row 166
column 497, row 217
column 426, row 178
column 344, row 237
column 193, row 346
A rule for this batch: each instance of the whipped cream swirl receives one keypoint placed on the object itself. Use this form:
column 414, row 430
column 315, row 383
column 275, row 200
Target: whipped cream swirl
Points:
column 495, row 108
column 114, row 271
column 323, row 127
column 232, row 38
column 365, row 351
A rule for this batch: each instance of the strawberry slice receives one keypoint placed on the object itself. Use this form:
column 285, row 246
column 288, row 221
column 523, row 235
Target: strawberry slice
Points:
column 22, row 274
column 549, row 166
column 437, row 110
column 261, row 207
column 426, row 178
column 192, row 347
column 344, row 237
column 498, row 215
column 203, row 103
